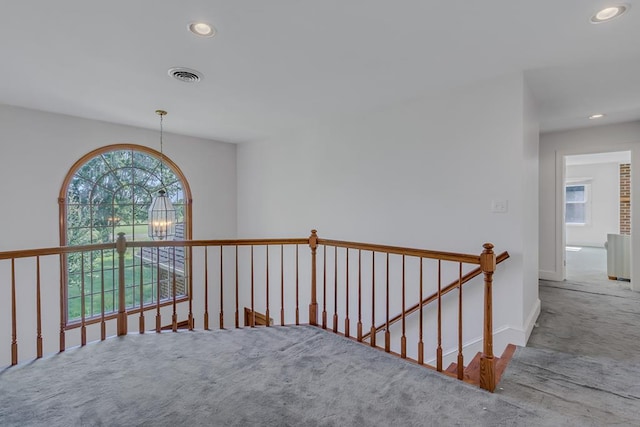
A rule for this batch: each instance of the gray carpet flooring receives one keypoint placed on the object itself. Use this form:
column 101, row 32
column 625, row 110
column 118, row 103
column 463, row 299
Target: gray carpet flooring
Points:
column 583, row 357
column 280, row 376
column 581, row 369
column 590, row 320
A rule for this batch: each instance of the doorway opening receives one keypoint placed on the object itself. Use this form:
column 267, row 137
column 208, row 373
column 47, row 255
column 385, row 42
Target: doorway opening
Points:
column 597, row 218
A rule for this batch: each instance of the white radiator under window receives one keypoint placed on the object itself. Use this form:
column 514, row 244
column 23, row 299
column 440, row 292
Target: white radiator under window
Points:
column 619, row 256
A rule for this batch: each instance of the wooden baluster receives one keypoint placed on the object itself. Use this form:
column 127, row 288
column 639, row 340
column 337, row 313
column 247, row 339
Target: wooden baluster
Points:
column 14, row 325
column 158, row 315
column 39, row 312
column 313, row 306
column 188, row 273
column 266, row 313
column 297, row 290
column 83, row 325
column 121, row 247
column 206, row 289
column 335, row 289
column 141, row 329
column 252, row 319
column 346, row 319
column 439, row 350
column 372, row 336
column 103, row 323
column 324, row 289
column 281, row 285
column 174, row 316
column 237, row 293
column 133, row 279
column 403, row 340
column 188, row 277
column 421, row 342
column 460, row 356
column 487, row 361
column 114, row 279
column 387, row 333
column 63, row 294
column 359, row 295
column 221, row 289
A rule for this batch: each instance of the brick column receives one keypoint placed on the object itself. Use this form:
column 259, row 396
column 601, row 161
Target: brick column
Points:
column 625, row 198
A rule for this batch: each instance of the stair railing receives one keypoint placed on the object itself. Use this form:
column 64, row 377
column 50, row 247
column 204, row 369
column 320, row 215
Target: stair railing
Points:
column 382, row 286
column 259, row 274
column 433, row 297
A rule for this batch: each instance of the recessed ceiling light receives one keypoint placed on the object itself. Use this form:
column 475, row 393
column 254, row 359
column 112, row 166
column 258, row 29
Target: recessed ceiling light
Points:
column 609, row 13
column 202, row 29
column 596, row 116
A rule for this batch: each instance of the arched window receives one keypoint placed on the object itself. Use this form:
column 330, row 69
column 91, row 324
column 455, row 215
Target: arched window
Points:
column 106, row 192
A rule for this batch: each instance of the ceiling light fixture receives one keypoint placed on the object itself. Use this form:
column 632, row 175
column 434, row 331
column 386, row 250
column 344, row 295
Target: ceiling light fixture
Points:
column 162, row 214
column 609, row 13
column 596, row 116
column 202, row 29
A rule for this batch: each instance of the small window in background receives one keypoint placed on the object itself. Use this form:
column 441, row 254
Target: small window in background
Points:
column 576, row 204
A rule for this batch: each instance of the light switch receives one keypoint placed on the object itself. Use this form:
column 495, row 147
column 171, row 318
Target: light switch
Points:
column 499, row 206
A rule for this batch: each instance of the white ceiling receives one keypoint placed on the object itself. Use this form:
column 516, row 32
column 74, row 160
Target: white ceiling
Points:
column 281, row 64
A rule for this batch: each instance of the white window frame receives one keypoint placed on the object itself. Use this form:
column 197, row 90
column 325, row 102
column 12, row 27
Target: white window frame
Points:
column 586, row 184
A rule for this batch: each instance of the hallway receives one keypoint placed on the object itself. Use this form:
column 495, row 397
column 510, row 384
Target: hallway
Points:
column 583, row 356
column 589, row 320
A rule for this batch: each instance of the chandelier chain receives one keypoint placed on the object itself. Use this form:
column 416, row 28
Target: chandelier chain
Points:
column 161, row 152
column 161, row 113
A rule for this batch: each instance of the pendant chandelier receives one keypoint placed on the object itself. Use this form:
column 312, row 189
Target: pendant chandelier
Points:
column 162, row 215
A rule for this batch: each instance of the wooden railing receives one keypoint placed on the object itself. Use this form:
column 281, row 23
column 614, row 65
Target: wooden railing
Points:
column 433, row 297
column 262, row 275
column 404, row 289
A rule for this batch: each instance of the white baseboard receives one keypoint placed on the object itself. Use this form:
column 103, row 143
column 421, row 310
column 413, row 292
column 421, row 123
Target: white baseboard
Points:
column 531, row 320
column 553, row 276
column 502, row 337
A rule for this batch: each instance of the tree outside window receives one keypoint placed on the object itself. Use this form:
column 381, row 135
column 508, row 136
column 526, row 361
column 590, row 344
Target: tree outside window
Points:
column 108, row 194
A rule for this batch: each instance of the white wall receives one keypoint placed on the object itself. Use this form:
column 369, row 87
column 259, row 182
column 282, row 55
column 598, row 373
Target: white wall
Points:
column 604, row 195
column 553, row 147
column 421, row 174
column 531, row 302
column 37, row 149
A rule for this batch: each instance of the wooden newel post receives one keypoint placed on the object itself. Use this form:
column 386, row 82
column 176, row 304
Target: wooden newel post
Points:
column 487, row 361
column 121, row 248
column 313, row 307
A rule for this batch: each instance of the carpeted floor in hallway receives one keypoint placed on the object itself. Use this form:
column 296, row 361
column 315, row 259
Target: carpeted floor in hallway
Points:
column 583, row 357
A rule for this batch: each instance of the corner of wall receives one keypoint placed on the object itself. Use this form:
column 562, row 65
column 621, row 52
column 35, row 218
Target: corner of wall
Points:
column 531, row 320
column 552, row 276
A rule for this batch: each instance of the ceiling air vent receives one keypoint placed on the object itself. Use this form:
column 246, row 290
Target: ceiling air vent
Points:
column 185, row 75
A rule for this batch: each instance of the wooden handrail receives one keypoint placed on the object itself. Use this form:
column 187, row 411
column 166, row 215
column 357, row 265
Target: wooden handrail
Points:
column 31, row 253
column 451, row 286
column 218, row 242
column 421, row 253
column 258, row 283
